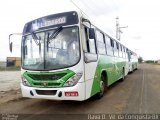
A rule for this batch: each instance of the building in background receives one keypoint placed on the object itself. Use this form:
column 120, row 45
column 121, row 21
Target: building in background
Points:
column 13, row 62
column 158, row 61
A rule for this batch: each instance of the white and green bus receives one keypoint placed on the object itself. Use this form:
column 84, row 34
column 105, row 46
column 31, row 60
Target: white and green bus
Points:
column 132, row 61
column 65, row 57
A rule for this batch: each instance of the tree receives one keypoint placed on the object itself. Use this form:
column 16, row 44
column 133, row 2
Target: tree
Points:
column 140, row 59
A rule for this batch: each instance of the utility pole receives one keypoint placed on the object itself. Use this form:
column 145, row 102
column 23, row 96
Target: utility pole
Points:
column 121, row 31
column 118, row 29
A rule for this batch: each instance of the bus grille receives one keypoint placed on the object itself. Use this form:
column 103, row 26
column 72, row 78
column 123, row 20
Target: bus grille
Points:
column 48, row 84
column 46, row 92
column 48, row 79
column 46, row 76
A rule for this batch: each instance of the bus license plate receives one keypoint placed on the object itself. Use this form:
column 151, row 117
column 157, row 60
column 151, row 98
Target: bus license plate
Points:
column 71, row 94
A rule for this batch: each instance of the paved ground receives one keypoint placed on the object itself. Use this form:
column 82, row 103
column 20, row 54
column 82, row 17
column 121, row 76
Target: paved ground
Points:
column 138, row 93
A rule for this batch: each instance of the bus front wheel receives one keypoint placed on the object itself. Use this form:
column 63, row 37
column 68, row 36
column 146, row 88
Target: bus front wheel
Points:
column 102, row 87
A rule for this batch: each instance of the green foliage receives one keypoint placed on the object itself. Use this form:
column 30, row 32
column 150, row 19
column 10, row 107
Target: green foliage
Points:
column 10, row 68
column 149, row 61
column 140, row 59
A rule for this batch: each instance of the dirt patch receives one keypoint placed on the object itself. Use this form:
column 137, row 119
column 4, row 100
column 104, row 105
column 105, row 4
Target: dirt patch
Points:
column 10, row 80
column 6, row 96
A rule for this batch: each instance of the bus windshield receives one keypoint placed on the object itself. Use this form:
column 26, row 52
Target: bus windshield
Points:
column 46, row 51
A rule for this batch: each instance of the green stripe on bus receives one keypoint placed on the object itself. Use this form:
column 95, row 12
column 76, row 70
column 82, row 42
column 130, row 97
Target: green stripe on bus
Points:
column 113, row 71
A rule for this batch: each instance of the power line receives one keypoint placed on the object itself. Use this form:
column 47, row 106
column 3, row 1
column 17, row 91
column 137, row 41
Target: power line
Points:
column 79, row 8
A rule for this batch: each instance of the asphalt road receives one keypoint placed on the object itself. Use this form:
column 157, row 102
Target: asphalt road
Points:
column 137, row 94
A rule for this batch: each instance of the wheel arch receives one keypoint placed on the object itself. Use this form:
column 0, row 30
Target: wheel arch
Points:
column 104, row 73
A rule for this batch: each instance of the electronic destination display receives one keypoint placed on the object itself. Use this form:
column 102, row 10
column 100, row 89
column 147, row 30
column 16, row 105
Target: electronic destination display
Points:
column 51, row 21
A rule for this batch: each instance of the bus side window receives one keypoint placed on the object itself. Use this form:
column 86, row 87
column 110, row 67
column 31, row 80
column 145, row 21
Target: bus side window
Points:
column 124, row 52
column 112, row 45
column 129, row 55
column 108, row 46
column 100, row 43
column 118, row 49
column 91, row 48
column 115, row 48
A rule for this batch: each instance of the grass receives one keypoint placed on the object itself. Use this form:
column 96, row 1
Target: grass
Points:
column 10, row 68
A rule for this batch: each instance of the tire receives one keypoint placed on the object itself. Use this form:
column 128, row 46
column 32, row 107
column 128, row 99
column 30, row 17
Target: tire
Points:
column 102, row 87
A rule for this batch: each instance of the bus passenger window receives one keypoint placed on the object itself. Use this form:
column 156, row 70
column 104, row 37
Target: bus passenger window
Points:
column 108, row 46
column 100, row 43
column 90, row 42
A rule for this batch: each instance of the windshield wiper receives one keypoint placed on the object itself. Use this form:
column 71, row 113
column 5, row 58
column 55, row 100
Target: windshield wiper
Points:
column 54, row 34
column 35, row 38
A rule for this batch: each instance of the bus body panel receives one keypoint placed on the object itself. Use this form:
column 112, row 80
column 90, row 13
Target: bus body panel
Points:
column 80, row 88
column 112, row 69
column 90, row 76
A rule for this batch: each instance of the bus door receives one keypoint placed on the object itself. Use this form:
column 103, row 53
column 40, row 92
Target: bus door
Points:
column 90, row 61
column 117, row 71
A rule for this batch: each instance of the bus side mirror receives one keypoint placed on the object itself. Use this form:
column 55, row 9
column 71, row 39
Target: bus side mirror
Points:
column 10, row 46
column 91, row 33
column 10, row 43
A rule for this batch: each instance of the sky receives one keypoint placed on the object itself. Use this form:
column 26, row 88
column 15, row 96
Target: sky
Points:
column 141, row 17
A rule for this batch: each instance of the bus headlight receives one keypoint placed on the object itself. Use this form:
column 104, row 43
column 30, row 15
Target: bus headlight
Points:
column 73, row 80
column 25, row 82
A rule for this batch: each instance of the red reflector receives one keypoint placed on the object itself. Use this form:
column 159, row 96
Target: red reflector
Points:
column 71, row 94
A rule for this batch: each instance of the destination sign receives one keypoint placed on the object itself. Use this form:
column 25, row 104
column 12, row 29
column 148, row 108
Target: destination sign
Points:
column 51, row 21
column 57, row 21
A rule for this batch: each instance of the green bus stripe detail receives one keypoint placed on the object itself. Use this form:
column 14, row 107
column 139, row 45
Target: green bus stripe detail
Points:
column 113, row 69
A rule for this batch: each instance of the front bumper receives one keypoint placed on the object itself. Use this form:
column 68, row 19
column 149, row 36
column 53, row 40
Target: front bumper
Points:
column 31, row 92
